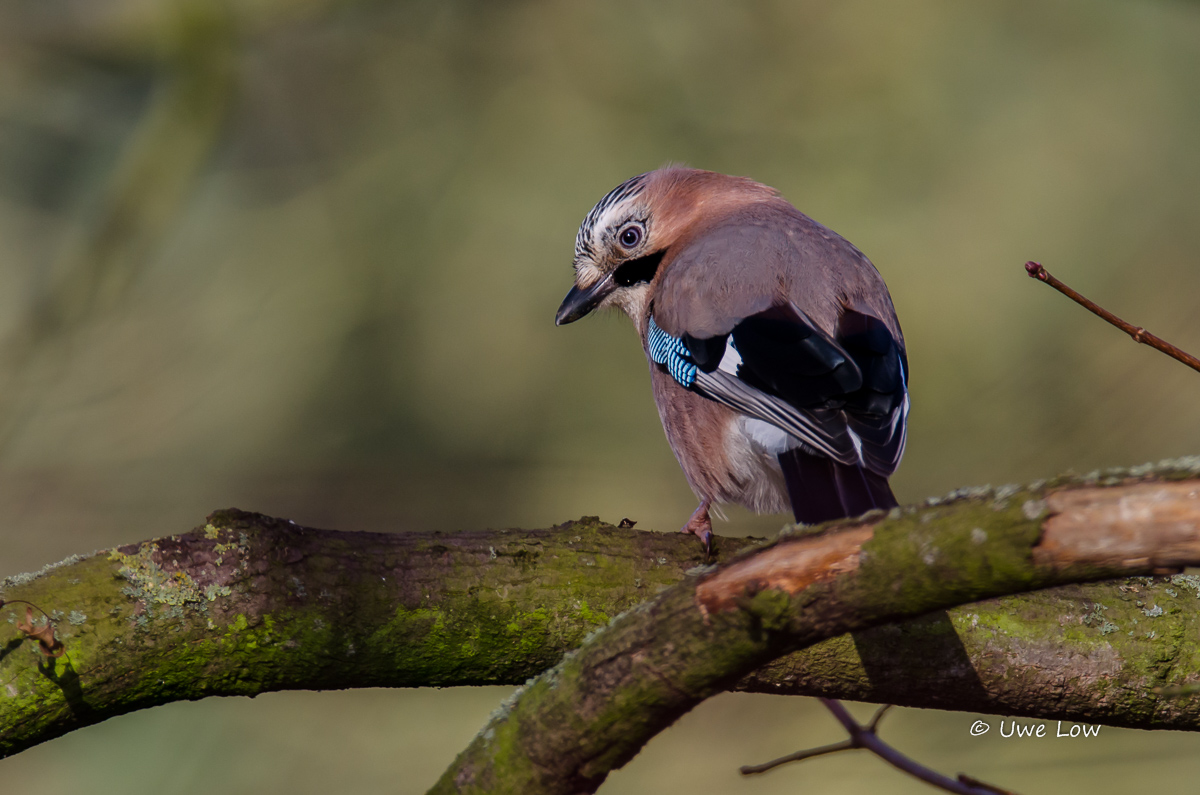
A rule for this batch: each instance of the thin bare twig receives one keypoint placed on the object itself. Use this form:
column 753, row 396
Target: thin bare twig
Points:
column 983, row 785
column 807, row 753
column 1139, row 334
column 866, row 737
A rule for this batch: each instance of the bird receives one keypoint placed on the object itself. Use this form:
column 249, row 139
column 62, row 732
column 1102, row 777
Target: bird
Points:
column 777, row 363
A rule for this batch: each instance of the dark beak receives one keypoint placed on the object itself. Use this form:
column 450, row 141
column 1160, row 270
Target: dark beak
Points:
column 579, row 302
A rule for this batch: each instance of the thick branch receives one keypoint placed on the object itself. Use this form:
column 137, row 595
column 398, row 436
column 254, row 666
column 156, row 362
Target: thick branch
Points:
column 594, row 711
column 249, row 604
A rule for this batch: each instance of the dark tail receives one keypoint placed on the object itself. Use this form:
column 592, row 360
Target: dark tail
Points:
column 822, row 489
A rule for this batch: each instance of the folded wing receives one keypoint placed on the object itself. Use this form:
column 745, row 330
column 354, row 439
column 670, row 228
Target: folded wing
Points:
column 841, row 399
column 784, row 321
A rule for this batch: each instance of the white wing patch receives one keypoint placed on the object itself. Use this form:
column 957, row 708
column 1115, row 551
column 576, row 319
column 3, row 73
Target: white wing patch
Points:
column 857, row 443
column 732, row 360
column 765, row 436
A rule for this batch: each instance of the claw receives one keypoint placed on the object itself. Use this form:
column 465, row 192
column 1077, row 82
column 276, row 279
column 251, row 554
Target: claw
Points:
column 700, row 525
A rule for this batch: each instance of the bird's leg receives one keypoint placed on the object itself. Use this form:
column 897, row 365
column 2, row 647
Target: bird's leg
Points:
column 700, row 525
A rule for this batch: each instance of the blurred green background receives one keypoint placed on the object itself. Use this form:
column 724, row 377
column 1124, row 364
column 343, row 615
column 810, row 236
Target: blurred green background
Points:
column 303, row 256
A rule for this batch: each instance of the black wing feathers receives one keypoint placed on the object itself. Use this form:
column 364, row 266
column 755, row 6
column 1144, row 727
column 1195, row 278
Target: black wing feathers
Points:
column 843, row 396
column 706, row 353
column 785, row 355
column 876, row 411
column 821, row 489
column 870, row 344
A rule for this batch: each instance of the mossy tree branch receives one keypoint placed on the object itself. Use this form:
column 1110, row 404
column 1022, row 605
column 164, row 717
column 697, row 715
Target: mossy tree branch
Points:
column 594, row 711
column 249, row 604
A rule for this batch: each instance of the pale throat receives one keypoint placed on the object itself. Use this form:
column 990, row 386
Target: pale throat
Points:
column 634, row 301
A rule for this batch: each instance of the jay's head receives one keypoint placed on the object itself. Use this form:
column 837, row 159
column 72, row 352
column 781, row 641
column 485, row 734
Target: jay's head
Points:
column 629, row 235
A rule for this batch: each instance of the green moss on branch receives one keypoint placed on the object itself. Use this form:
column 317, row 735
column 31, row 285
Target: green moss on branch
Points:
column 248, row 604
column 594, row 711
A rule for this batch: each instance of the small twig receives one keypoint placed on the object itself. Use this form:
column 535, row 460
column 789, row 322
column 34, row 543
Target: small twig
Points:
column 874, row 724
column 865, row 737
column 807, row 753
column 983, row 785
column 1139, row 334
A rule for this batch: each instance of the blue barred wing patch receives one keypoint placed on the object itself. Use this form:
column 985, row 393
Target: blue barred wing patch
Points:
column 672, row 353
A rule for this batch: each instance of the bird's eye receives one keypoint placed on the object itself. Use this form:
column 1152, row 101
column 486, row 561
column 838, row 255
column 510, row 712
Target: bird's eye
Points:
column 630, row 236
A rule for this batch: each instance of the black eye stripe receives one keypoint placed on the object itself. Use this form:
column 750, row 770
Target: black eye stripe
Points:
column 638, row 270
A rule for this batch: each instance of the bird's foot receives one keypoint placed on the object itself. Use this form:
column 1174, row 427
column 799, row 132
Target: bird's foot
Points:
column 700, row 525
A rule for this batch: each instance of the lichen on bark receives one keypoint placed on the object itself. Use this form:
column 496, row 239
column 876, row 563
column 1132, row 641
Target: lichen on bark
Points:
column 247, row 604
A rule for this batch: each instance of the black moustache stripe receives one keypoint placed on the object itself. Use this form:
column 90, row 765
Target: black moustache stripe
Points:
column 638, row 270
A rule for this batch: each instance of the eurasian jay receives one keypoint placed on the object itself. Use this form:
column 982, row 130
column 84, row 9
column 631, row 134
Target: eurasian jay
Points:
column 776, row 359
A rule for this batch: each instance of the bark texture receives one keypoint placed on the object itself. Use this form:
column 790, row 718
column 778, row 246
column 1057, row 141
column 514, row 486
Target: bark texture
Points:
column 248, row 604
column 594, row 711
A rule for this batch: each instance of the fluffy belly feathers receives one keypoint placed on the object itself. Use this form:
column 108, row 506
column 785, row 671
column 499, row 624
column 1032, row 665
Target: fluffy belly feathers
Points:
column 727, row 457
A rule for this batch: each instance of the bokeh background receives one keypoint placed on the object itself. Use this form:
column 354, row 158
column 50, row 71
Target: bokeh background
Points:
column 303, row 256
